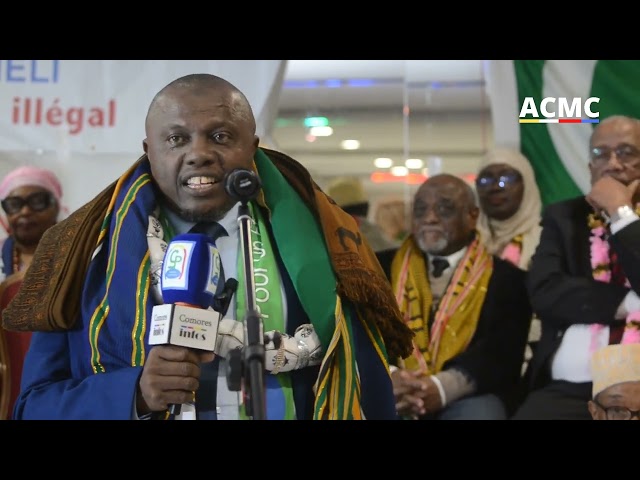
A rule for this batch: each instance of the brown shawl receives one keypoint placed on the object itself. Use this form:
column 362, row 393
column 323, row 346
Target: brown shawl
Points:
column 49, row 299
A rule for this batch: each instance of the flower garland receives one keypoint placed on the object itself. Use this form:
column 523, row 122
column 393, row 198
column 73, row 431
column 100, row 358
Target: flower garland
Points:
column 601, row 268
column 513, row 250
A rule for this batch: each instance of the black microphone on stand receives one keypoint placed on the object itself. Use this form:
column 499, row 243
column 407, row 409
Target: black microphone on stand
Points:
column 246, row 368
column 242, row 185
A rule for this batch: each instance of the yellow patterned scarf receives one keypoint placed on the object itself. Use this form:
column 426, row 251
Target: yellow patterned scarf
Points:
column 457, row 316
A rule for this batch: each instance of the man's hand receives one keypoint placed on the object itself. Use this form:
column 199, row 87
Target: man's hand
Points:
column 416, row 393
column 408, row 389
column 608, row 194
column 171, row 375
column 431, row 396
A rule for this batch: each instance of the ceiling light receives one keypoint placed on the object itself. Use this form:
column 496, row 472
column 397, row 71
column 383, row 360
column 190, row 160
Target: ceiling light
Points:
column 310, row 138
column 321, row 131
column 350, row 144
column 386, row 177
column 414, row 163
column 399, row 171
column 383, row 162
column 316, row 122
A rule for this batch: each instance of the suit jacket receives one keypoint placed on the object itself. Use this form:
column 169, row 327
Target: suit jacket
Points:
column 57, row 384
column 561, row 285
column 493, row 358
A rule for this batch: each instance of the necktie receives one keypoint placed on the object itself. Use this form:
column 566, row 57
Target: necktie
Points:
column 439, row 266
column 206, row 395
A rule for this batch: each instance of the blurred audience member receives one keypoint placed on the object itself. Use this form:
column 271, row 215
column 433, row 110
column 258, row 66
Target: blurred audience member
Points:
column 510, row 206
column 391, row 216
column 469, row 311
column 585, row 274
column 510, row 213
column 30, row 198
column 349, row 194
column 616, row 383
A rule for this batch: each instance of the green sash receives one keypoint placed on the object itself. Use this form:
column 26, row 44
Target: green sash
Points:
column 279, row 394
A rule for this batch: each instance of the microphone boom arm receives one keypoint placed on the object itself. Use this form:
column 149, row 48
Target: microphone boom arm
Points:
column 244, row 185
column 254, row 350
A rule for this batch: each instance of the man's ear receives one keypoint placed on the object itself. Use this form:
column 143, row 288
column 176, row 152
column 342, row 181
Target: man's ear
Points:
column 593, row 409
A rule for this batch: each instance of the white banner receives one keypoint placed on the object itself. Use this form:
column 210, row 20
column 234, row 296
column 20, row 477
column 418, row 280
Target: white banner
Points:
column 99, row 106
column 84, row 119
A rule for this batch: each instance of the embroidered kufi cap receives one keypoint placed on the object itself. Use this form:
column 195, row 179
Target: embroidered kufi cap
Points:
column 615, row 364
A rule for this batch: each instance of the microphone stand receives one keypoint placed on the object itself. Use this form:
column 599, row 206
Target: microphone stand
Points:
column 253, row 361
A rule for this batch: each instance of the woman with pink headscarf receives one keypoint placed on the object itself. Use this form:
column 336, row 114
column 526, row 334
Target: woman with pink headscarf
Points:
column 30, row 199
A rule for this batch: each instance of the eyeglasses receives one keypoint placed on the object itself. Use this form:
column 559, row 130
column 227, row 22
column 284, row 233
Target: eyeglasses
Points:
column 37, row 201
column 442, row 209
column 485, row 182
column 626, row 154
column 618, row 413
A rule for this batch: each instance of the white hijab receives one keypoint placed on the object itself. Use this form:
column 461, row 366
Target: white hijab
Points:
column 496, row 234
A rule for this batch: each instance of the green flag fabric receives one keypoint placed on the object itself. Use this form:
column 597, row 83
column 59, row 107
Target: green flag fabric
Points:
column 558, row 152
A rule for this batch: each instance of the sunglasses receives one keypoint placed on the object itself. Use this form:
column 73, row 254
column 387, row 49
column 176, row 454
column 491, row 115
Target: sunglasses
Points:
column 37, row 202
column 485, row 182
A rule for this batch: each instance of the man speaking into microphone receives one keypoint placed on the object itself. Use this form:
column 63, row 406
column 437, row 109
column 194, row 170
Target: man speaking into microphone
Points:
column 331, row 316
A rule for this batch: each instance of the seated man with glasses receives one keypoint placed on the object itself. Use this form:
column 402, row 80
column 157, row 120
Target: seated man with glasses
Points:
column 616, row 383
column 468, row 309
column 30, row 199
column 584, row 277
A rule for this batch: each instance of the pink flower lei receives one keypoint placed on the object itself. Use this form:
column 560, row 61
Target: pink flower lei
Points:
column 601, row 268
column 513, row 251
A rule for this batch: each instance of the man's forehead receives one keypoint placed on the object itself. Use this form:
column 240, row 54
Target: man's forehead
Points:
column 440, row 190
column 498, row 168
column 614, row 130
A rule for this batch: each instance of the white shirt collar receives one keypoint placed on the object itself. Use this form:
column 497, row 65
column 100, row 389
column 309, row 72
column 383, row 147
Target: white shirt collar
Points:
column 230, row 220
column 453, row 259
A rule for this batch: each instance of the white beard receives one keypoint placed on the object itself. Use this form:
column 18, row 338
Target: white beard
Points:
column 434, row 248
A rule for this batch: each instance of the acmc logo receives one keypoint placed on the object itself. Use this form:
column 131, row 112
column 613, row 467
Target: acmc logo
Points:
column 559, row 110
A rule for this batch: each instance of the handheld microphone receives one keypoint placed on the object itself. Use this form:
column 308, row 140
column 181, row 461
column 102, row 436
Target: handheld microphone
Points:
column 188, row 280
column 242, row 185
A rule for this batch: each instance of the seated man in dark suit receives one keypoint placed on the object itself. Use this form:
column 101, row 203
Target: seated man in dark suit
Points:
column 585, row 274
column 469, row 311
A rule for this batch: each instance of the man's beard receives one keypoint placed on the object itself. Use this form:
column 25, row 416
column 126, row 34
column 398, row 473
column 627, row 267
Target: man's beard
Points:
column 196, row 216
column 206, row 217
column 433, row 248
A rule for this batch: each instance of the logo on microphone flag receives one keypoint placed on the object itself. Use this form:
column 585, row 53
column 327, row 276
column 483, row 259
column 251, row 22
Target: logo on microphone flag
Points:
column 175, row 268
column 214, row 269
